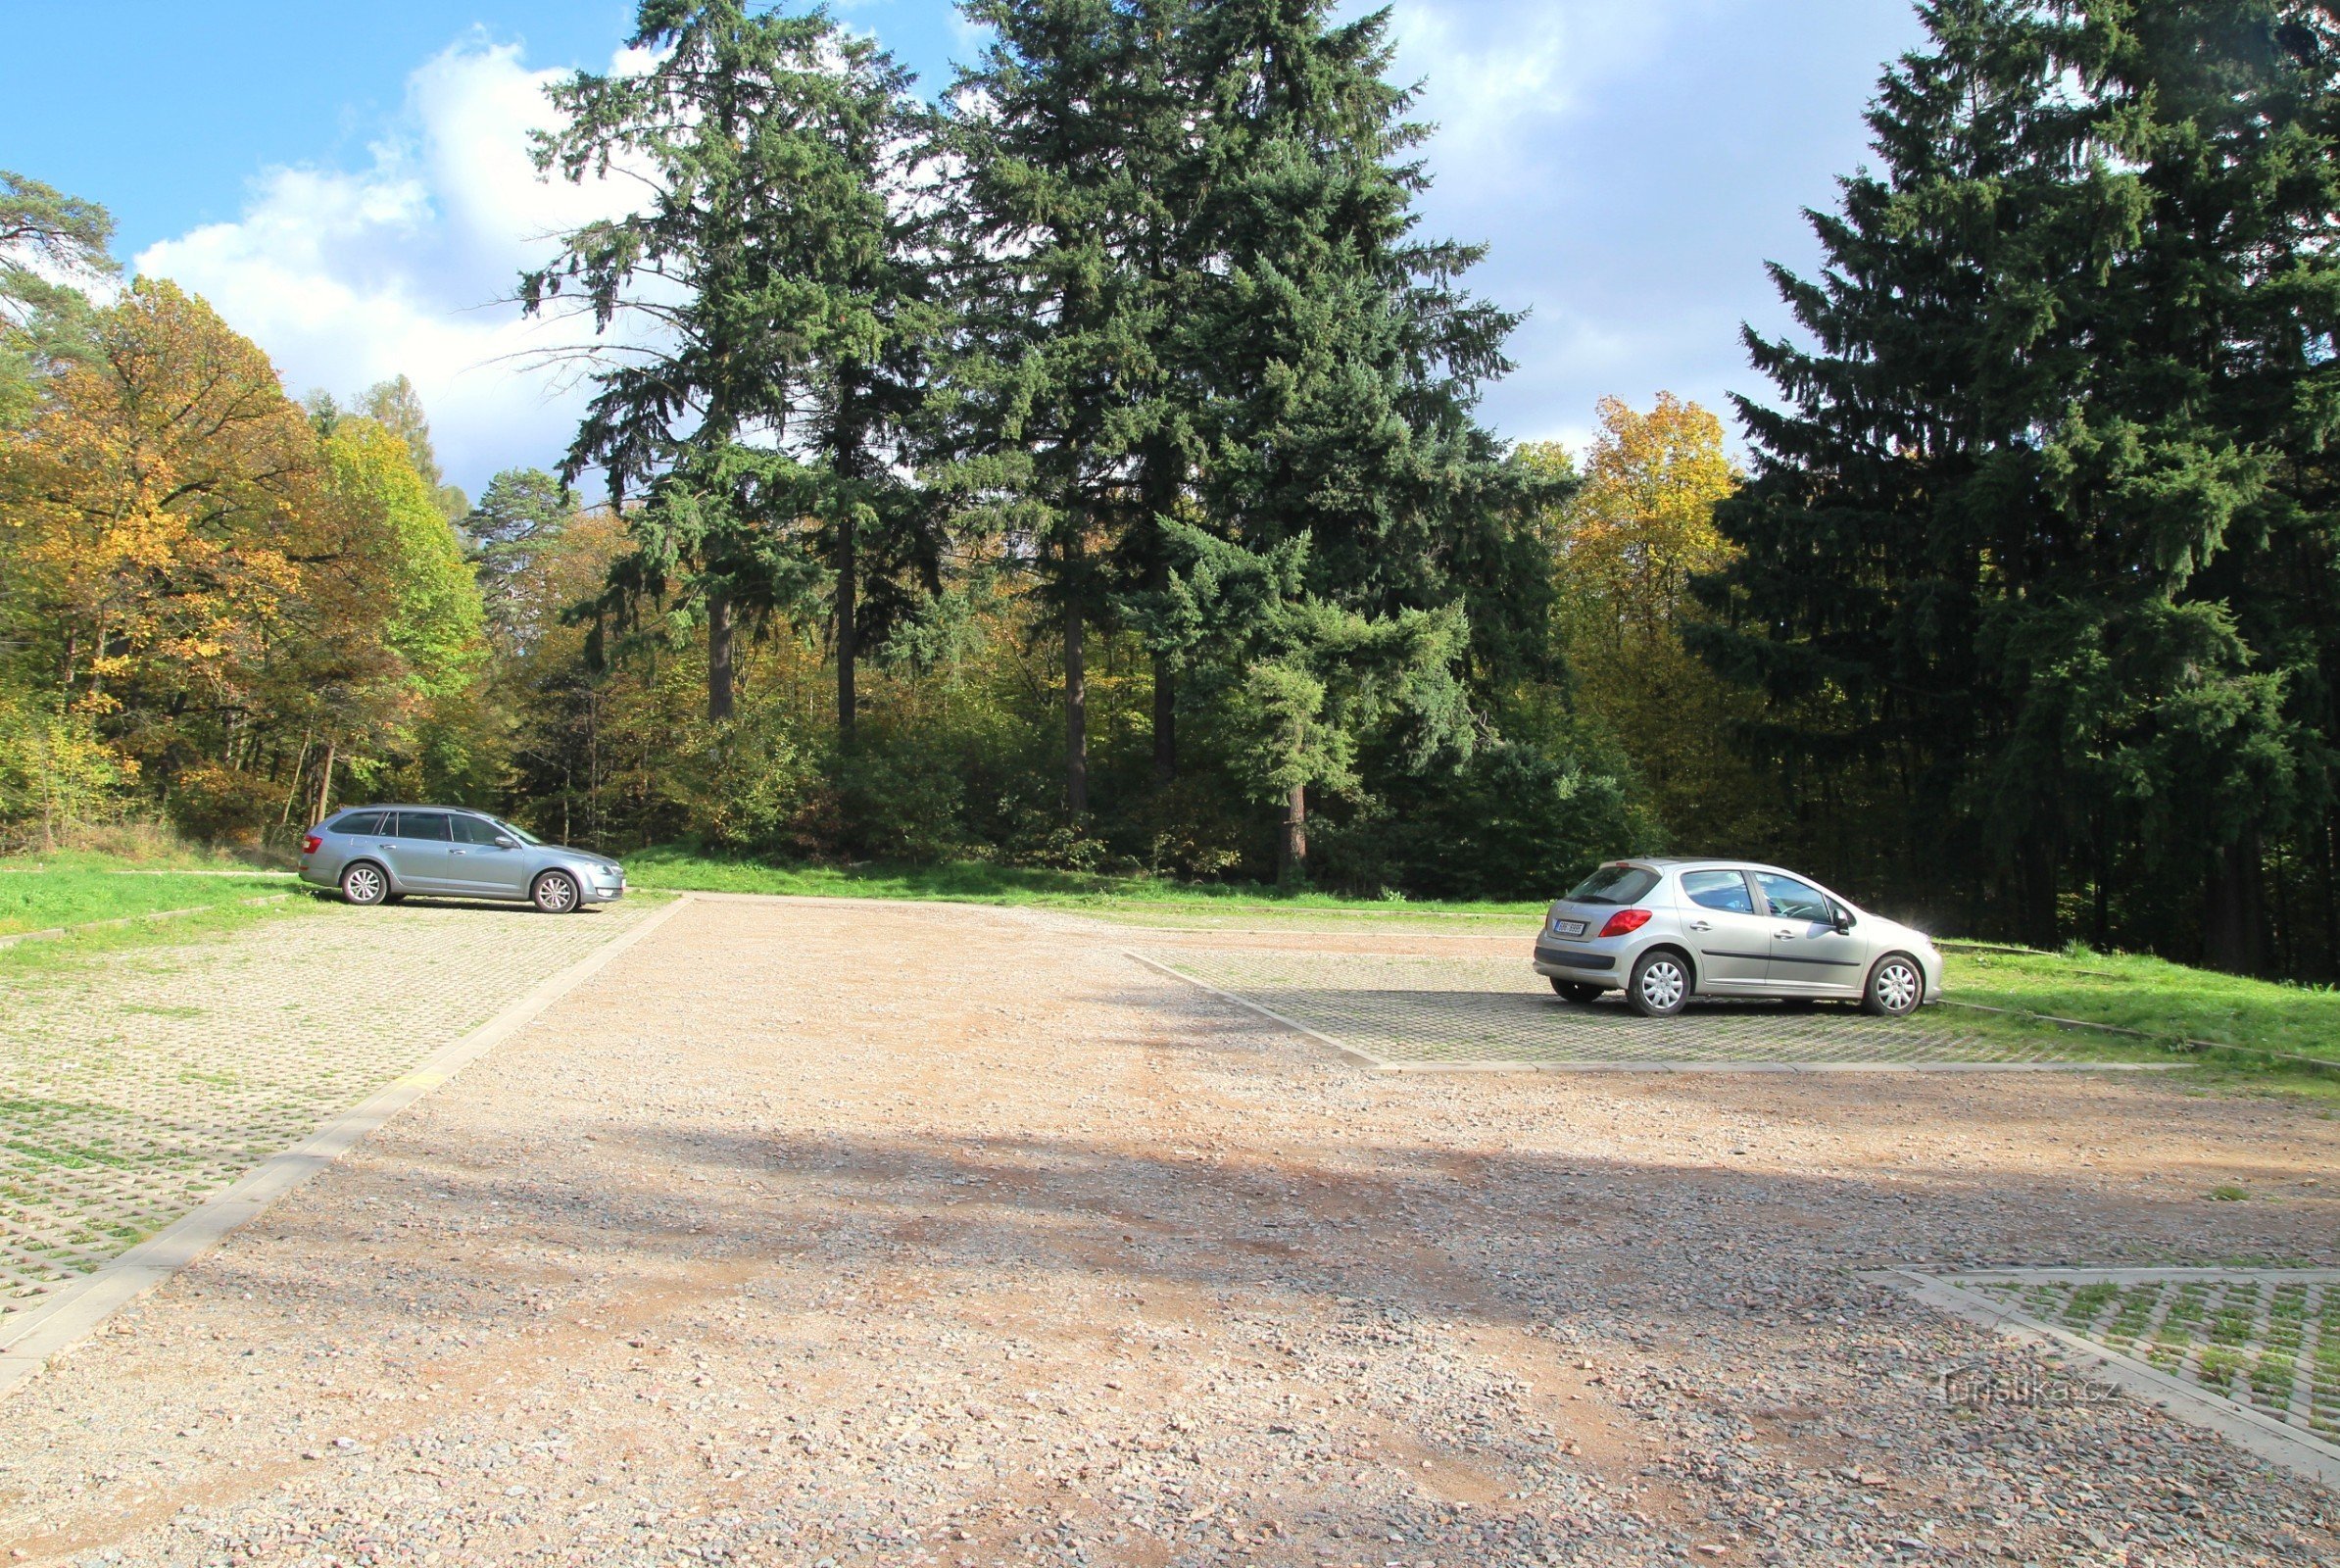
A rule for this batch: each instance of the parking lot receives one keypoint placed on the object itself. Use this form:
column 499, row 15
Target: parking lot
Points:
column 819, row 1231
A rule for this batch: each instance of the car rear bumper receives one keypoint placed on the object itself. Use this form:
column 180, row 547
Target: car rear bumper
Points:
column 1575, row 964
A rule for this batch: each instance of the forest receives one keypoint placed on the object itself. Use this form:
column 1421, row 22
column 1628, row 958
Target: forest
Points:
column 1079, row 464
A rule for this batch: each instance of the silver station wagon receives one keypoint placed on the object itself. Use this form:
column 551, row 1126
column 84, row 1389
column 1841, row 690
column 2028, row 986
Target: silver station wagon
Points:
column 380, row 853
column 1666, row 930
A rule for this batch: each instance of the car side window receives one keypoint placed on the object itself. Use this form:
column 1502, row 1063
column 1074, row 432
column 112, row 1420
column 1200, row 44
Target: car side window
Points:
column 427, row 825
column 471, row 830
column 1792, row 899
column 360, row 825
column 1726, row 891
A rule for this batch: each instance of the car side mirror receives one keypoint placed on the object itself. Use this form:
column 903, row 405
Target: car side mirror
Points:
column 1843, row 920
column 502, row 842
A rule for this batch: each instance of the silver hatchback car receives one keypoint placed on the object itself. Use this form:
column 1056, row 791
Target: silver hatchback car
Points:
column 380, row 853
column 1666, row 930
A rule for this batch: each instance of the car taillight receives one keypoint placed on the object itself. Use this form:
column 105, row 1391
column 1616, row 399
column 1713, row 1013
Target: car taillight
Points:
column 311, row 844
column 1625, row 922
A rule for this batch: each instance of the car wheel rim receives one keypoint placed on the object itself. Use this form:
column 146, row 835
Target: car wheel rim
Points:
column 364, row 887
column 1661, row 986
column 557, row 894
column 1897, row 987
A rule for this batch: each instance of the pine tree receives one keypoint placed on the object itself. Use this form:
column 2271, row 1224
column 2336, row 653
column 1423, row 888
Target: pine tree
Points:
column 766, row 409
column 2221, row 396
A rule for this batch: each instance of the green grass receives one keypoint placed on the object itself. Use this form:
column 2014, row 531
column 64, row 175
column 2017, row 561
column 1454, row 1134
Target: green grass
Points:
column 68, row 895
column 1127, row 898
column 70, row 890
column 2169, row 1002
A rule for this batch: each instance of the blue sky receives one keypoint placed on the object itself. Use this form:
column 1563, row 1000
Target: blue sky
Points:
column 345, row 182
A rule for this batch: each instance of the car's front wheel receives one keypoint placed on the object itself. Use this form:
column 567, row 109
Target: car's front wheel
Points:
column 1895, row 987
column 554, row 893
column 365, row 885
column 1661, row 984
column 1577, row 991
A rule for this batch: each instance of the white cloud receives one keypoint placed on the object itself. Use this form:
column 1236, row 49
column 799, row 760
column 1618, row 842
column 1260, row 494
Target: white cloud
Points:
column 408, row 267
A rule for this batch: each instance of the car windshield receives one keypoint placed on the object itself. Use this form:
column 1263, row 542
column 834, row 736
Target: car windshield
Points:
column 1614, row 884
column 521, row 833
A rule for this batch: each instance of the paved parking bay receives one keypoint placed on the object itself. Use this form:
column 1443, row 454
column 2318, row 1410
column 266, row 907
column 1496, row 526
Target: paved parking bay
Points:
column 1485, row 1010
column 136, row 1086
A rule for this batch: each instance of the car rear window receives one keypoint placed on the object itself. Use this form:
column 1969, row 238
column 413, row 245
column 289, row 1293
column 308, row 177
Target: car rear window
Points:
column 359, row 824
column 1614, row 884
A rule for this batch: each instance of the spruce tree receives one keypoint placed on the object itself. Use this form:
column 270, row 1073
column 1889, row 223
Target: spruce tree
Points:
column 783, row 283
column 1074, row 138
column 2060, row 345
column 1341, row 359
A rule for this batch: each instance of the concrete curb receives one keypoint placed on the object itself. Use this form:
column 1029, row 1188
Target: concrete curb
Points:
column 81, row 1309
column 2274, row 1441
column 1377, row 1064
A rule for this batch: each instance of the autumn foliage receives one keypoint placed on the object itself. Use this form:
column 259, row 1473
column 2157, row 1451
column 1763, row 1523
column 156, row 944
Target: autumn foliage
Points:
column 213, row 586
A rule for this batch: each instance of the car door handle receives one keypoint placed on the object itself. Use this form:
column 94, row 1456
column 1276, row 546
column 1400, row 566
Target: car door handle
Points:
column 459, row 852
column 1701, row 926
column 1786, row 936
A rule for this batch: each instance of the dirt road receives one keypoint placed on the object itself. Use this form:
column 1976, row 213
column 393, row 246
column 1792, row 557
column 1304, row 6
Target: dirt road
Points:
column 826, row 1233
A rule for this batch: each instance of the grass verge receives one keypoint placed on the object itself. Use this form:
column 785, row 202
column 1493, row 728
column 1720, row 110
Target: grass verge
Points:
column 53, row 894
column 28, row 959
column 2167, row 1002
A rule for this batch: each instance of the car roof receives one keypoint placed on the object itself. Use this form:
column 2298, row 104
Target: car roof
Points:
column 1694, row 862
column 410, row 805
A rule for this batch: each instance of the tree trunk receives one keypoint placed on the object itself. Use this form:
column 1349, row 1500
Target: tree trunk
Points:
column 2035, row 887
column 848, row 644
column 718, row 656
column 2234, row 915
column 1076, row 717
column 1165, row 722
column 325, row 785
column 1294, row 867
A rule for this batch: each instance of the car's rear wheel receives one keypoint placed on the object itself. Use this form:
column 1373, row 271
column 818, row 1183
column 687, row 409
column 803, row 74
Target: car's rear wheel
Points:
column 554, row 893
column 365, row 885
column 1577, row 991
column 1660, row 986
column 1895, row 987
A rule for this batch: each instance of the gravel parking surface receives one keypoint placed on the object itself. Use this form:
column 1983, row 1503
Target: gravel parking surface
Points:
column 852, row 1234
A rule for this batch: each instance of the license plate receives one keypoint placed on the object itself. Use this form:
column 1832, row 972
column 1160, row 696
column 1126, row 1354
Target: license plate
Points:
column 1567, row 928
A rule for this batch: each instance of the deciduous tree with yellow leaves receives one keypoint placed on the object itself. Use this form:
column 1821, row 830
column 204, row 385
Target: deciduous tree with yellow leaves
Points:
column 221, row 589
column 1638, row 527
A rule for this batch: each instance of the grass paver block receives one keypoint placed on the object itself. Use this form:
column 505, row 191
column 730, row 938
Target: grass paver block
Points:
column 1406, row 1010
column 136, row 1083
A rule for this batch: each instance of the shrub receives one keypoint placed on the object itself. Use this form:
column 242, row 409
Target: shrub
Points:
column 55, row 773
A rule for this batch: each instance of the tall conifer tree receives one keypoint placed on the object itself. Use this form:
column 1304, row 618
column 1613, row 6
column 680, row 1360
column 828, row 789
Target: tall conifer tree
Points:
column 2060, row 345
column 1075, row 138
column 1341, row 359
column 781, row 274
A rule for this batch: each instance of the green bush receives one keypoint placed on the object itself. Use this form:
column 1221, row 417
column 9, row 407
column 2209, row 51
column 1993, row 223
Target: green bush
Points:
column 55, row 773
